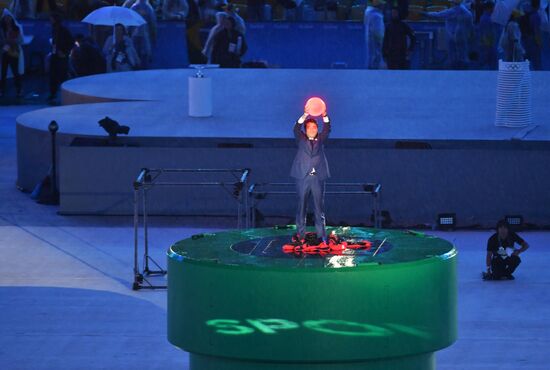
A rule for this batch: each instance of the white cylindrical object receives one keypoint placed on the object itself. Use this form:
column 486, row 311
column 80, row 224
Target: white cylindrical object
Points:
column 514, row 107
column 200, row 96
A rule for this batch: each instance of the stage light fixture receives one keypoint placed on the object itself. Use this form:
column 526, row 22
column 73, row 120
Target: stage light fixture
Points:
column 446, row 221
column 514, row 220
column 113, row 128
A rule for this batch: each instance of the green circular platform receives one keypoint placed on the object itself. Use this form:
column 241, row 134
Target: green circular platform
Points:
column 235, row 301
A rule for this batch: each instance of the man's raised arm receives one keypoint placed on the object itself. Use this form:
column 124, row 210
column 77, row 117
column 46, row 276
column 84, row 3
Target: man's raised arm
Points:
column 326, row 127
column 298, row 134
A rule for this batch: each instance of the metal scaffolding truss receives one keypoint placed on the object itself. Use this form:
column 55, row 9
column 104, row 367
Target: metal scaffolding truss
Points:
column 150, row 178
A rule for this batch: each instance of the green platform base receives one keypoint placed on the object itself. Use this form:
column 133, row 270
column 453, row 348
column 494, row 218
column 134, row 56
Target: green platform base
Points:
column 235, row 302
column 425, row 361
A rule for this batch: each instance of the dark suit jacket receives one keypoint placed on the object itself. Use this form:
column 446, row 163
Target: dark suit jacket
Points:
column 310, row 156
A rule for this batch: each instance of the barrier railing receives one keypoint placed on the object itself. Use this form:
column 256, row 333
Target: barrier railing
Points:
column 260, row 191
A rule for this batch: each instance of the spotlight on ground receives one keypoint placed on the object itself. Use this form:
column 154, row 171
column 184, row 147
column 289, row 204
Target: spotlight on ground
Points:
column 446, row 221
column 113, row 128
column 515, row 221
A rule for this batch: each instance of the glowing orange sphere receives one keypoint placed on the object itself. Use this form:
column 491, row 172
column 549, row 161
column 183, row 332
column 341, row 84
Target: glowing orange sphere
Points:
column 315, row 106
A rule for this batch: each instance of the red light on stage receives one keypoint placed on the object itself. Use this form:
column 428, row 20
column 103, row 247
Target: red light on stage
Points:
column 315, row 106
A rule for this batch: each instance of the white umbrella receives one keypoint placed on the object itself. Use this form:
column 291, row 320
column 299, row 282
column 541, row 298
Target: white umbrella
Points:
column 112, row 15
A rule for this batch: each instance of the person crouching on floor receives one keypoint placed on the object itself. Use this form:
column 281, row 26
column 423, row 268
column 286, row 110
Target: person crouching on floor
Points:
column 500, row 265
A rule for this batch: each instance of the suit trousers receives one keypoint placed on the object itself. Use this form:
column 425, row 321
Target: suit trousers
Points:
column 304, row 187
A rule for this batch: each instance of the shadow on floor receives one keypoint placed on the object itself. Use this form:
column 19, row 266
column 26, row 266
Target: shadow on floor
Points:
column 62, row 328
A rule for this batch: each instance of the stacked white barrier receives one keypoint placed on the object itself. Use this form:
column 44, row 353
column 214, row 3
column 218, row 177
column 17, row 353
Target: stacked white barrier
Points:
column 514, row 107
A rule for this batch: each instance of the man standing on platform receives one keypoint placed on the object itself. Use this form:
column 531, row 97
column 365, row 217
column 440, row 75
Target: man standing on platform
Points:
column 499, row 263
column 310, row 169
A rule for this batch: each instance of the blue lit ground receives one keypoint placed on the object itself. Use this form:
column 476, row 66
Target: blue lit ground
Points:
column 65, row 301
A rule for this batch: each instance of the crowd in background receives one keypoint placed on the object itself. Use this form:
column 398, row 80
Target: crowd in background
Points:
column 472, row 35
column 11, row 39
column 120, row 48
column 78, row 9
